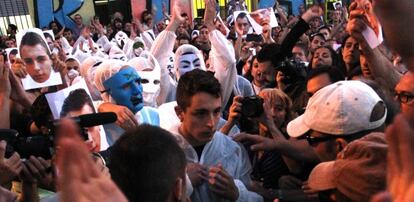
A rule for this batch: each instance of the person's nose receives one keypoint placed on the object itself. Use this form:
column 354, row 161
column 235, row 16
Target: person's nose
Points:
column 36, row 66
column 321, row 43
column 210, row 121
column 135, row 89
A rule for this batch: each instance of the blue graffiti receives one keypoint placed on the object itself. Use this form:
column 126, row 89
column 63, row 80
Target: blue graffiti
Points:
column 46, row 12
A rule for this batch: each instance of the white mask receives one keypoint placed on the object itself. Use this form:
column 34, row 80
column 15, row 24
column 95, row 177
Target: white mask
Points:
column 121, row 39
column 188, row 62
column 150, row 81
column 170, row 64
column 73, row 74
column 119, row 56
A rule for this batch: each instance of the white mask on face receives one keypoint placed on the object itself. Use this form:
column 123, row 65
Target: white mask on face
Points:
column 188, row 62
column 121, row 39
column 170, row 64
column 138, row 51
column 150, row 81
column 73, row 74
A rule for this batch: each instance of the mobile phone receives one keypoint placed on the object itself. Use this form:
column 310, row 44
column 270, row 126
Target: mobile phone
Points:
column 254, row 37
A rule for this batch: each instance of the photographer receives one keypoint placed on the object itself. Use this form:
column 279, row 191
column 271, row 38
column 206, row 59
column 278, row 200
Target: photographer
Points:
column 11, row 165
column 273, row 111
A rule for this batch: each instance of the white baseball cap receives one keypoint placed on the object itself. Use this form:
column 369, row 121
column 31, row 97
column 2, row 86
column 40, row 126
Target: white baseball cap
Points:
column 342, row 108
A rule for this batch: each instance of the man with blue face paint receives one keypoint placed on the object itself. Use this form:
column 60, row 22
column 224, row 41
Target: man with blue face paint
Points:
column 126, row 89
column 121, row 90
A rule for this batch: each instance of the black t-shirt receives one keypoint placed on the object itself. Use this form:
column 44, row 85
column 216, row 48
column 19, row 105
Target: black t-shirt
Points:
column 199, row 150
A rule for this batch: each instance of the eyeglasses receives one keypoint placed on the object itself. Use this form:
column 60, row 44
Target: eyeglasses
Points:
column 404, row 97
column 314, row 140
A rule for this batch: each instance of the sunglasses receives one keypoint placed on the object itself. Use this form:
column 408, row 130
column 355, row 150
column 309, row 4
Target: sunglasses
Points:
column 404, row 97
column 315, row 140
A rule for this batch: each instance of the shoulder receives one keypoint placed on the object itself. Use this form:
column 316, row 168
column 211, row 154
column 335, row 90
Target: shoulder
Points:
column 226, row 141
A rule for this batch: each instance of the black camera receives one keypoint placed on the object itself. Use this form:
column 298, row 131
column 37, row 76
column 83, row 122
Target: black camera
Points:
column 42, row 145
column 293, row 71
column 39, row 145
column 252, row 106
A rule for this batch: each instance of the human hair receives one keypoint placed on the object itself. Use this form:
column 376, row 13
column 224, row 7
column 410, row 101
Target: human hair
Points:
column 71, row 60
column 143, row 14
column 57, row 24
column 203, row 27
column 13, row 52
column 33, row 39
column 336, row 59
column 324, row 27
column 47, row 35
column 40, row 112
column 270, row 52
column 183, row 37
column 241, row 15
column 333, row 73
column 312, row 36
column 272, row 95
column 302, row 46
column 75, row 101
column 145, row 163
column 67, row 30
column 13, row 27
column 193, row 82
column 248, row 74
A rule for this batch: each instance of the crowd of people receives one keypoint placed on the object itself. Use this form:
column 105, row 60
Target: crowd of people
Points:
column 210, row 110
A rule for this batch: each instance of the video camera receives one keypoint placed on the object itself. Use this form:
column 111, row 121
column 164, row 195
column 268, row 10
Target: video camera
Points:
column 42, row 145
column 293, row 70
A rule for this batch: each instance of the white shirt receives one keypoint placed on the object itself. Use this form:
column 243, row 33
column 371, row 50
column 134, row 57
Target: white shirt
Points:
column 221, row 149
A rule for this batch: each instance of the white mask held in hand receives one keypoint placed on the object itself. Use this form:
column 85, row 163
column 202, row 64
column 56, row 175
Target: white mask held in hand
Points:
column 188, row 62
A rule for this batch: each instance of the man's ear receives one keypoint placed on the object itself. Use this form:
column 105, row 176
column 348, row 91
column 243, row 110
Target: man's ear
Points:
column 179, row 112
column 179, row 192
column 340, row 144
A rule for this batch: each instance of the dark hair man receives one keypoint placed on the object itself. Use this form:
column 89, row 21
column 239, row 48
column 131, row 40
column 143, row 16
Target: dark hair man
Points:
column 217, row 166
column 148, row 165
column 321, row 77
column 338, row 114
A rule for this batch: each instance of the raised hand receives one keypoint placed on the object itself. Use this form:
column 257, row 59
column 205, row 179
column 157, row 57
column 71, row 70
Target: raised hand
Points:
column 176, row 18
column 400, row 172
column 78, row 176
column 357, row 23
column 396, row 18
column 210, row 14
column 312, row 12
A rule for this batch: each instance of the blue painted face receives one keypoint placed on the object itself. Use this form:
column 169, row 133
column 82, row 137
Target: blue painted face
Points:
column 126, row 89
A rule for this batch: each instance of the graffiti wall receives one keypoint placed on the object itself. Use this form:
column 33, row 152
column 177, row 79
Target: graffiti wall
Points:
column 45, row 11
